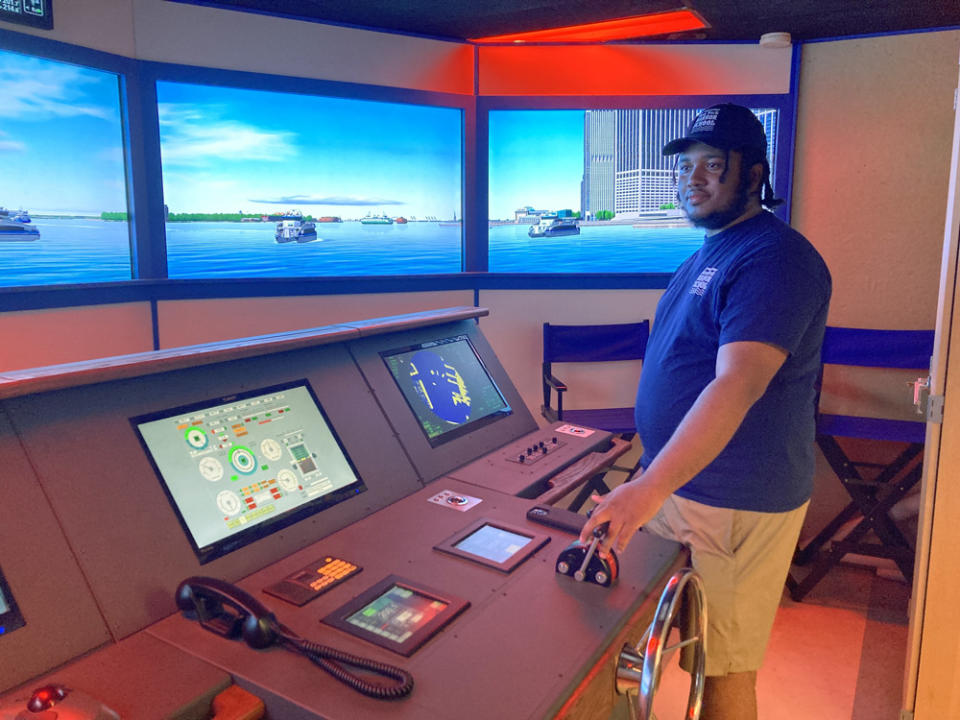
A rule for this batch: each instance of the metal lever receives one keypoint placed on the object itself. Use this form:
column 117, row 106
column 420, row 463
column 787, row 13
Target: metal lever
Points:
column 581, row 574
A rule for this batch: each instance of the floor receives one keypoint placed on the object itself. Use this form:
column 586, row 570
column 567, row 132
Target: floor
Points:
column 838, row 655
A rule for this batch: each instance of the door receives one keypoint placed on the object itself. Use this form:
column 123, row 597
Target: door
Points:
column 932, row 678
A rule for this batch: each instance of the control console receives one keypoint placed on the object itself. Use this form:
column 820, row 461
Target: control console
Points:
column 55, row 702
column 524, row 466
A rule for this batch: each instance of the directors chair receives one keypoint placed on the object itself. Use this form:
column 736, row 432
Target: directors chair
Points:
column 874, row 487
column 591, row 344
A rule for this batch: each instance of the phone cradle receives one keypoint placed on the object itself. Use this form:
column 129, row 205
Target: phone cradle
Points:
column 584, row 564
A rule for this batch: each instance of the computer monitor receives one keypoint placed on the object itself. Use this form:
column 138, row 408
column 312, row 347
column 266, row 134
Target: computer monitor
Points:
column 447, row 386
column 240, row 467
column 10, row 617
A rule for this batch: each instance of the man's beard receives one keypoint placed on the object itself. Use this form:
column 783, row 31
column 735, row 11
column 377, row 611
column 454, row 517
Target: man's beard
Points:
column 723, row 217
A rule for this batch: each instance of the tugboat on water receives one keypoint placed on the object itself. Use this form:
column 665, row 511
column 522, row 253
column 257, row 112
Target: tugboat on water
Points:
column 301, row 231
column 554, row 225
column 401, row 221
column 16, row 227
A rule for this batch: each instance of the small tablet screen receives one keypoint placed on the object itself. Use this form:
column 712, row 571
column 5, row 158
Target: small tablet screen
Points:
column 493, row 543
column 397, row 614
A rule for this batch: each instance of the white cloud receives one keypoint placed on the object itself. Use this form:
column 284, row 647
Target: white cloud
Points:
column 194, row 135
column 38, row 90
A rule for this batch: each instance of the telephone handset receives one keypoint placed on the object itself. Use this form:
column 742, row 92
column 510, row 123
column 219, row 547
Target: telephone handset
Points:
column 233, row 613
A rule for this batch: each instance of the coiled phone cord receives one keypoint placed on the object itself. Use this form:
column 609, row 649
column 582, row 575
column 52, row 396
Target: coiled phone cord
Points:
column 330, row 660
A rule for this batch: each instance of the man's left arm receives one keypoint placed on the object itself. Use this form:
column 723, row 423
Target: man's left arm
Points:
column 743, row 371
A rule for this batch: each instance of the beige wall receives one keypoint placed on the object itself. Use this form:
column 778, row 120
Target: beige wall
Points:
column 633, row 70
column 178, row 33
column 874, row 126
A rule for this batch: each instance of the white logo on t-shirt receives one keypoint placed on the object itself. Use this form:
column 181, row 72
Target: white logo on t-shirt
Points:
column 699, row 286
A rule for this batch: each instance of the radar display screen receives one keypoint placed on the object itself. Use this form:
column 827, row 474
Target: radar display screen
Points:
column 494, row 544
column 35, row 13
column 240, row 467
column 447, row 387
column 397, row 614
column 10, row 617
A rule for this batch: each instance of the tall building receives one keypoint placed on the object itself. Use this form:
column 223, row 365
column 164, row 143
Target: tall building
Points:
column 599, row 157
column 624, row 168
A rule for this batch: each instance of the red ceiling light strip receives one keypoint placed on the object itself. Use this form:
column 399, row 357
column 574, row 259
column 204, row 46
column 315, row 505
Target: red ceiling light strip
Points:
column 620, row 29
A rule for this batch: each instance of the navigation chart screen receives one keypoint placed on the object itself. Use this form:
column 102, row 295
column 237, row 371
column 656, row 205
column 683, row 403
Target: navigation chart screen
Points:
column 447, row 387
column 241, row 467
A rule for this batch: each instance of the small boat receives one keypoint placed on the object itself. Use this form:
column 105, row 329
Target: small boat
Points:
column 552, row 226
column 295, row 231
column 329, row 219
column 380, row 219
column 16, row 230
column 401, row 221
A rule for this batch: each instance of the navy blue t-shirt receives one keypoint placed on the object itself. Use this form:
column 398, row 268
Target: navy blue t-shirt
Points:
column 759, row 280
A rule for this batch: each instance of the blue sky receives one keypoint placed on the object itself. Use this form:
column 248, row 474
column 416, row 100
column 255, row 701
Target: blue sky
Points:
column 227, row 150
column 256, row 151
column 60, row 137
column 536, row 158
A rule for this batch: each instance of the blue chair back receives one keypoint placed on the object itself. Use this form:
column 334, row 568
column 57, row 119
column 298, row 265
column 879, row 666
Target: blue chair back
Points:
column 907, row 349
column 595, row 343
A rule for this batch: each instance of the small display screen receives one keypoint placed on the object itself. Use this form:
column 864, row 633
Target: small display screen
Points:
column 36, row 13
column 241, row 467
column 447, row 387
column 10, row 617
column 397, row 614
column 493, row 543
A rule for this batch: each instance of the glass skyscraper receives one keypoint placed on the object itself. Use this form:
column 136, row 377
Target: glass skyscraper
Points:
column 624, row 169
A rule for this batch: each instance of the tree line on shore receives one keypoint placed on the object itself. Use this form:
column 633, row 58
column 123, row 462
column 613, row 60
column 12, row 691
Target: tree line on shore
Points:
column 193, row 217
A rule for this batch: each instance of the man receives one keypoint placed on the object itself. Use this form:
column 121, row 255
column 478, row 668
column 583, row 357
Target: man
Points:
column 725, row 403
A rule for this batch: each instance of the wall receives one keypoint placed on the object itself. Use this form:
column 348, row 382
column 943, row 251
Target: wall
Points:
column 174, row 32
column 634, row 70
column 872, row 160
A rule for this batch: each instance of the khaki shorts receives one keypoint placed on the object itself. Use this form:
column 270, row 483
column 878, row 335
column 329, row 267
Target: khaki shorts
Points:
column 743, row 558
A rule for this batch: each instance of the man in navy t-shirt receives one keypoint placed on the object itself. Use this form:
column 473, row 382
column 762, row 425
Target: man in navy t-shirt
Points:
column 725, row 404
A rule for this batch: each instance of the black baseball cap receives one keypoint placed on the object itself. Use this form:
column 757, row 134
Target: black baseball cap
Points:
column 726, row 126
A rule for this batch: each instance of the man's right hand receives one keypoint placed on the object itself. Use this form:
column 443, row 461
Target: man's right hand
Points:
column 627, row 508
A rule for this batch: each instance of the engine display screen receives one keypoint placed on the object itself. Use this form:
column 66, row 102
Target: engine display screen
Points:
column 240, row 467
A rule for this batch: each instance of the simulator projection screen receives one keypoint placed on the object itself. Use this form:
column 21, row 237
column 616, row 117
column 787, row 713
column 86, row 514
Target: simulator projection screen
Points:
column 241, row 467
column 447, row 387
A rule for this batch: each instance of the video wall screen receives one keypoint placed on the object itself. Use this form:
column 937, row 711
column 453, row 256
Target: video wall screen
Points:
column 241, row 467
column 261, row 183
column 590, row 190
column 63, row 190
column 447, row 387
